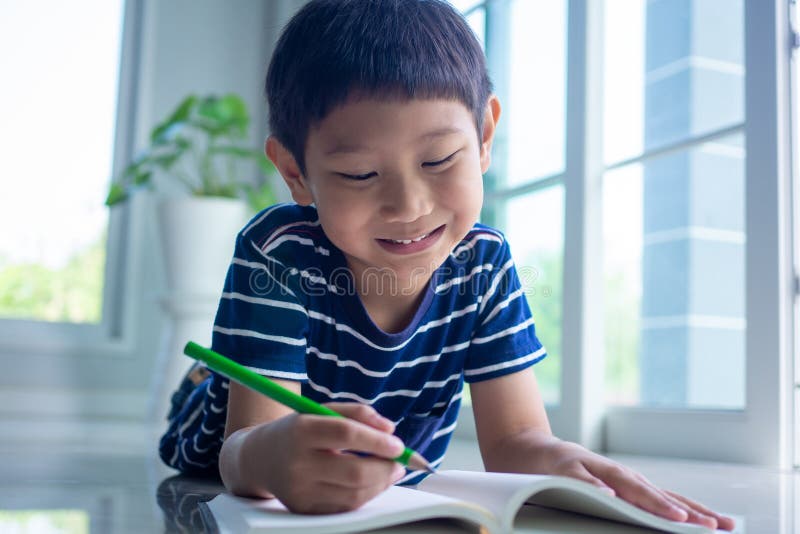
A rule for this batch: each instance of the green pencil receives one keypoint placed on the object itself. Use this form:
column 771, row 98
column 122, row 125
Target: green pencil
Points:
column 265, row 386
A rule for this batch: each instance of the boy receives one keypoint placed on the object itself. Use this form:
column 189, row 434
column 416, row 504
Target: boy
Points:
column 378, row 292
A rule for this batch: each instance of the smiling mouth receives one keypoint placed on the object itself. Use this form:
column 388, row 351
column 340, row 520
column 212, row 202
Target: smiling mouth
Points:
column 411, row 240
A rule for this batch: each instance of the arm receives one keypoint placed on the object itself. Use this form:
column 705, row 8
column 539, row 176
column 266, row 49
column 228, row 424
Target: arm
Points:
column 514, row 436
column 270, row 451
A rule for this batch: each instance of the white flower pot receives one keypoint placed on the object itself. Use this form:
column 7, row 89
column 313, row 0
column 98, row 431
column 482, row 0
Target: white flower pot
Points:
column 197, row 237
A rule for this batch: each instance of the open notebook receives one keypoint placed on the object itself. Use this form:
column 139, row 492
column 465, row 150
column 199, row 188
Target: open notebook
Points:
column 492, row 501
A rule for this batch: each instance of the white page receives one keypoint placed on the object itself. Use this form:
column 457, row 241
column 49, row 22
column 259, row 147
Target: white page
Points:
column 396, row 505
column 504, row 494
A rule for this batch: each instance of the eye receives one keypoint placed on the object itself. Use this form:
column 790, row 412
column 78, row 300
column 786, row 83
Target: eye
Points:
column 441, row 161
column 357, row 177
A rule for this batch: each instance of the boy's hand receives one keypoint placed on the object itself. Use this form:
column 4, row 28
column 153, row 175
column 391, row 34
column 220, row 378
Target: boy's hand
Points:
column 570, row 459
column 307, row 467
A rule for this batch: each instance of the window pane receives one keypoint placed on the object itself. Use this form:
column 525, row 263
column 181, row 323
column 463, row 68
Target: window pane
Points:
column 535, row 111
column 60, row 68
column 674, row 255
column 475, row 12
column 45, row 521
column 465, row 5
column 535, row 232
column 673, row 70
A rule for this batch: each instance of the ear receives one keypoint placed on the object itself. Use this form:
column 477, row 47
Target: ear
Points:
column 290, row 171
column 490, row 118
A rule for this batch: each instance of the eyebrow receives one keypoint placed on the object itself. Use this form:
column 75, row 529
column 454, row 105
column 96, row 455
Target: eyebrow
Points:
column 344, row 148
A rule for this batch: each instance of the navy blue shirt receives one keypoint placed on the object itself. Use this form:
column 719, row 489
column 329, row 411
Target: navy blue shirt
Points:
column 289, row 310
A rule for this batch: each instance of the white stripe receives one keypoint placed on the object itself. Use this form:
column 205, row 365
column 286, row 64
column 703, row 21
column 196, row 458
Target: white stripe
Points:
column 263, row 216
column 424, row 328
column 461, row 279
column 279, row 374
column 253, row 265
column 191, row 419
column 449, row 403
column 265, row 302
column 316, row 279
column 504, row 304
column 258, row 335
column 196, row 448
column 393, row 393
column 471, row 243
column 413, row 474
column 495, row 282
column 186, row 456
column 216, row 409
column 505, row 365
column 285, row 227
column 380, row 374
column 443, row 431
column 206, row 431
column 503, row 333
column 694, row 321
column 302, row 240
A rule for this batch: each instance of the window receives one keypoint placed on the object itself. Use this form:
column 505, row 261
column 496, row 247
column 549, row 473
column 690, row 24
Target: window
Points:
column 525, row 43
column 673, row 203
column 61, row 69
column 647, row 139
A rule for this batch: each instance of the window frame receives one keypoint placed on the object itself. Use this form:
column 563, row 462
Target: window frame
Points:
column 113, row 335
column 761, row 433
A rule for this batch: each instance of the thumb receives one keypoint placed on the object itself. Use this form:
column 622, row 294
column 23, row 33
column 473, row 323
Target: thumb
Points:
column 363, row 413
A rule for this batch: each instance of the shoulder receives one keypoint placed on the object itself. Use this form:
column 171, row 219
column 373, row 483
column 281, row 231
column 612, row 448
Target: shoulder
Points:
column 286, row 230
column 482, row 244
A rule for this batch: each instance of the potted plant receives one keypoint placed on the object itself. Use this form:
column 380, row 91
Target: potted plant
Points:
column 200, row 148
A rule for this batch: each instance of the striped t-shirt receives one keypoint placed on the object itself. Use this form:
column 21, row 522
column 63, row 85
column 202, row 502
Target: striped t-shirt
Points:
column 289, row 310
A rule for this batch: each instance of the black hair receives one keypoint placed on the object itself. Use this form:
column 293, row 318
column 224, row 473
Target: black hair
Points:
column 332, row 50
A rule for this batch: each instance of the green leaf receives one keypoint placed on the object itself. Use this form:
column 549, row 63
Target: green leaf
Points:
column 179, row 116
column 142, row 178
column 223, row 116
column 116, row 194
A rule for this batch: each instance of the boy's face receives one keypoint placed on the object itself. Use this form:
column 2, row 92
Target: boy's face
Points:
column 397, row 184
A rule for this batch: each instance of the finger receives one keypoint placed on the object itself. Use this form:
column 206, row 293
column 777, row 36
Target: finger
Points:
column 341, row 433
column 724, row 522
column 353, row 472
column 638, row 492
column 694, row 516
column 363, row 413
column 581, row 473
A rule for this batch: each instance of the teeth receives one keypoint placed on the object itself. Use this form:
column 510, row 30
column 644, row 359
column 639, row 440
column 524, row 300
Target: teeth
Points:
column 409, row 241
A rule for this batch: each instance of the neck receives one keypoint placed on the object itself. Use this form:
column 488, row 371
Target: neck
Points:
column 390, row 300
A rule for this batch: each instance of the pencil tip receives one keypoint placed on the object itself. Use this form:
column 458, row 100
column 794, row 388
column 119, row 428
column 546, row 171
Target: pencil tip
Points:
column 418, row 463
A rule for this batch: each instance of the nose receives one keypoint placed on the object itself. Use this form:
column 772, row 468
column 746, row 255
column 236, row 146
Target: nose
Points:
column 406, row 198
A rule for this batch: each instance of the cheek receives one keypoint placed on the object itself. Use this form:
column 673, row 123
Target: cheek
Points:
column 465, row 194
column 340, row 212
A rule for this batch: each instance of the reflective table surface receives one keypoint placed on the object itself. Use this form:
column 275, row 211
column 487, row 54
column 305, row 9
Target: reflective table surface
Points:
column 56, row 490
